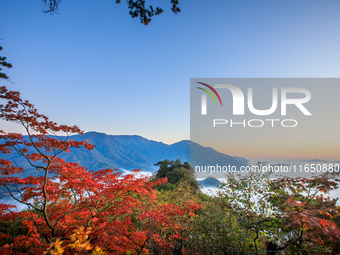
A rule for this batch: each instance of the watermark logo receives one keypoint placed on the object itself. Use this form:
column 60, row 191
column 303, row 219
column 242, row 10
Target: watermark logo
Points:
column 239, row 99
column 204, row 97
column 287, row 124
column 280, row 99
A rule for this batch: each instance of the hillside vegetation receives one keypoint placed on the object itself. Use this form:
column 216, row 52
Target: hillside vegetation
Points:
column 73, row 210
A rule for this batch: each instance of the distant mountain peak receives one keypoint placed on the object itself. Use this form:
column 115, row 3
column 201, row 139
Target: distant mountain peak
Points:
column 128, row 152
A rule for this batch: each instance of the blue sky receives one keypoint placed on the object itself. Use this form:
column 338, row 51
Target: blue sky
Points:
column 94, row 66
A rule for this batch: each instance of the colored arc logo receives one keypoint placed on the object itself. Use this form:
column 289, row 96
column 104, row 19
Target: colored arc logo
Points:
column 209, row 93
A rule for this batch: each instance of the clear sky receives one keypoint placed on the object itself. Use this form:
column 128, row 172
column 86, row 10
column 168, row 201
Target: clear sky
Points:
column 94, row 66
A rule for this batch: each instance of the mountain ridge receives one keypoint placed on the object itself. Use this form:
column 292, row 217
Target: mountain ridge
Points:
column 128, row 152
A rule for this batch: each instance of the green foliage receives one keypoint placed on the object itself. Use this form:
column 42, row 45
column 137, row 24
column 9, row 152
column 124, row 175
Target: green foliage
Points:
column 247, row 195
column 12, row 226
column 216, row 229
column 176, row 173
column 257, row 214
column 288, row 214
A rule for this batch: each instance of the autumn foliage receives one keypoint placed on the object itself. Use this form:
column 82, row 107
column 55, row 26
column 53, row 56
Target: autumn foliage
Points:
column 71, row 210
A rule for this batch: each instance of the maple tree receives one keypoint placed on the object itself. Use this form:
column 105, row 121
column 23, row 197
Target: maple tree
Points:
column 70, row 210
column 310, row 218
column 119, row 212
